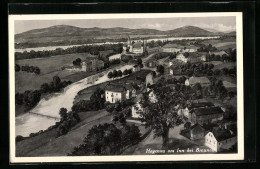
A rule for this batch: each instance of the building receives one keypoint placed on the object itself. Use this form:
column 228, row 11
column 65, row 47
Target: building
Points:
column 152, row 97
column 220, row 139
column 181, row 57
column 170, row 49
column 220, row 53
column 151, row 63
column 206, row 115
column 186, row 111
column 203, row 58
column 149, row 79
column 115, row 93
column 130, row 91
column 137, row 47
column 204, row 81
column 137, row 110
column 136, row 68
column 92, row 65
column 92, row 79
column 114, row 57
column 196, row 132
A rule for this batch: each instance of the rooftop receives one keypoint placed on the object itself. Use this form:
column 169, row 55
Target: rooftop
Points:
column 193, row 80
column 115, row 87
column 196, row 125
column 202, row 111
column 201, row 104
column 222, row 134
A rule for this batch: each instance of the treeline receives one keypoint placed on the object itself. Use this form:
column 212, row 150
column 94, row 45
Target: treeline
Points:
column 118, row 73
column 67, row 121
column 96, row 102
column 92, row 49
column 190, row 69
column 229, row 58
column 65, row 43
column 206, row 48
column 107, row 139
column 164, row 55
column 30, row 98
column 55, row 86
column 29, row 69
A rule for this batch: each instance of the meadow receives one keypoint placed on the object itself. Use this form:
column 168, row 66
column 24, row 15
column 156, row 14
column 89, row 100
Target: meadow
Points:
column 221, row 44
column 50, row 66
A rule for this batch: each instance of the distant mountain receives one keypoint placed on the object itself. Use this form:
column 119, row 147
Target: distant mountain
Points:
column 71, row 35
column 189, row 31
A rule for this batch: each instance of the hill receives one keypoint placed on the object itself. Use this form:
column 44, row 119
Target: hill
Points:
column 71, row 35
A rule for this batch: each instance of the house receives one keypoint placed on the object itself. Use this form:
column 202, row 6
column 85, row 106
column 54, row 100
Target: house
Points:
column 152, row 96
column 130, row 91
column 196, row 132
column 149, row 79
column 92, row 79
column 186, row 111
column 220, row 139
column 136, row 68
column 204, row 81
column 114, row 57
column 137, row 109
column 203, row 58
column 220, row 53
column 181, row 57
column 92, row 65
column 151, row 63
column 134, row 47
column 115, row 93
column 206, row 115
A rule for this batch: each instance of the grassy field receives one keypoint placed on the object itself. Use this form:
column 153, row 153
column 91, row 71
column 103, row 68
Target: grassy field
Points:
column 50, row 66
column 221, row 44
column 86, row 93
column 48, row 144
column 228, row 65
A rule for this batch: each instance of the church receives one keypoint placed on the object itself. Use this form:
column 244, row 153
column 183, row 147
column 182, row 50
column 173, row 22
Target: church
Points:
column 134, row 47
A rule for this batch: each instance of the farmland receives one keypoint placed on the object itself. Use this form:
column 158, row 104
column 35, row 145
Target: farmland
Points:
column 51, row 66
column 221, row 44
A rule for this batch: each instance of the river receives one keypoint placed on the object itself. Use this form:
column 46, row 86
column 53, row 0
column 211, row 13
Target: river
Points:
column 48, row 109
column 148, row 40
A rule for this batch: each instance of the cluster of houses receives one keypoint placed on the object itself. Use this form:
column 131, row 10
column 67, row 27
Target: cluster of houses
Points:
column 204, row 113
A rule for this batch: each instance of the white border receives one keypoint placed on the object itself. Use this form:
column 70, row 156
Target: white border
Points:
column 179, row 157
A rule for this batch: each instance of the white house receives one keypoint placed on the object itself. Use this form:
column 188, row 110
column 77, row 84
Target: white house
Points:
column 149, row 79
column 152, row 97
column 115, row 93
column 181, row 57
column 204, row 81
column 130, row 91
column 114, row 57
column 137, row 109
column 203, row 58
column 220, row 139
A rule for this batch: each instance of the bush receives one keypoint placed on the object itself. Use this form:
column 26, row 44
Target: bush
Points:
column 19, row 138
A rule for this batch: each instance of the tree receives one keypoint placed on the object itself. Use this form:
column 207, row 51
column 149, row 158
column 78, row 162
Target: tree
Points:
column 162, row 115
column 160, row 69
column 45, row 88
column 187, row 125
column 63, row 114
column 110, row 75
column 56, row 81
column 119, row 73
column 139, row 61
column 125, row 72
column 37, row 70
column 115, row 73
column 17, row 67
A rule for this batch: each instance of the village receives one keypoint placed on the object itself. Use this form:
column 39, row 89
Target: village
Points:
column 206, row 123
column 170, row 94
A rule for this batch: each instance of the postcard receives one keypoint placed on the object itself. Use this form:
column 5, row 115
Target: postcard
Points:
column 126, row 87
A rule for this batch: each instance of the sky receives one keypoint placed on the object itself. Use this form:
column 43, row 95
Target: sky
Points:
column 223, row 24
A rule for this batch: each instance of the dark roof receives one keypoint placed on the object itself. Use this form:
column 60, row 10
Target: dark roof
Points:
column 136, row 65
column 115, row 87
column 222, row 134
column 206, row 111
column 196, row 125
column 201, row 104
